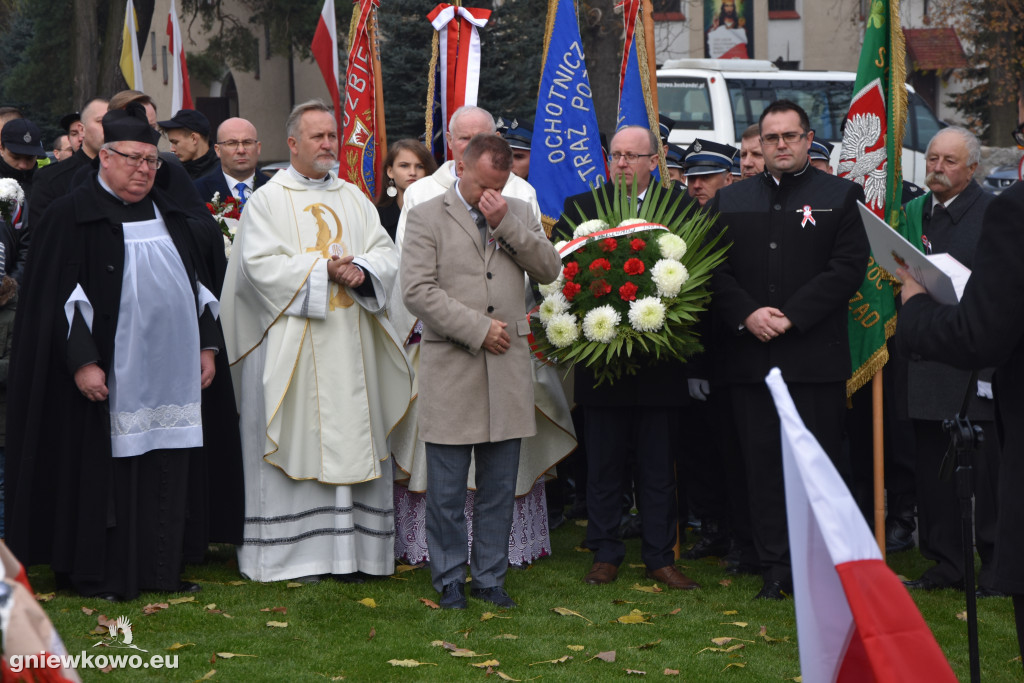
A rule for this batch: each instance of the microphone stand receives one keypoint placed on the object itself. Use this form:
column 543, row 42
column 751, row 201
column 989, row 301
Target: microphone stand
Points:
column 965, row 440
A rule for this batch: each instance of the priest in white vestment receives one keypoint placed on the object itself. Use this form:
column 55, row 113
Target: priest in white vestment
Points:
column 321, row 376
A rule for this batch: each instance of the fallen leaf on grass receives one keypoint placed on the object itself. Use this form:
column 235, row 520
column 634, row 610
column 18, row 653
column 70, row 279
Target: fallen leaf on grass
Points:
column 622, row 602
column 229, row 655
column 560, row 660
column 738, row 665
column 237, row 583
column 581, row 522
column 407, row 568
column 741, row 624
column 409, row 663
column 486, row 665
column 635, row 672
column 45, row 597
column 726, row 640
column 486, row 616
column 648, row 646
column 442, row 643
column 763, row 633
column 294, row 584
column 962, row 616
column 575, row 648
column 731, row 648
column 107, row 669
column 634, row 617
column 373, row 633
column 566, row 612
column 671, row 672
column 211, row 606
column 581, row 549
column 725, row 582
column 178, row 646
column 181, row 601
column 608, row 656
column 277, row 624
column 676, row 611
column 209, row 675
column 103, row 621
column 463, row 652
column 506, row 636
column 279, row 610
column 88, row 612
column 647, row 589
column 154, row 607
column 369, row 602
column 506, row 677
column 430, row 603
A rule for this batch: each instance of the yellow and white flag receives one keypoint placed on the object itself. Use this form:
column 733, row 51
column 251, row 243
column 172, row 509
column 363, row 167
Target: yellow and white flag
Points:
column 131, row 67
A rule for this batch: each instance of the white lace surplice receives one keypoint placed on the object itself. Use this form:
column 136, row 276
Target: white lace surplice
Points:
column 155, row 376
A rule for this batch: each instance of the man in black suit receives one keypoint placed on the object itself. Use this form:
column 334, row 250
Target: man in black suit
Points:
column 987, row 328
column 799, row 252
column 949, row 217
column 637, row 412
column 238, row 148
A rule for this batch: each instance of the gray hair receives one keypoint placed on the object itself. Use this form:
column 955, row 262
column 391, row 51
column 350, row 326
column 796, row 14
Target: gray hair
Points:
column 651, row 137
column 967, row 137
column 292, row 124
column 469, row 109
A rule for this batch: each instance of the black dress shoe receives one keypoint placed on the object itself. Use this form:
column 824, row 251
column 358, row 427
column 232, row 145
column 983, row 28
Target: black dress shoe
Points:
column 927, row 584
column 495, row 595
column 453, row 596
column 772, row 590
column 986, row 592
column 353, row 577
column 899, row 534
column 109, row 597
column 187, row 587
column 707, row 547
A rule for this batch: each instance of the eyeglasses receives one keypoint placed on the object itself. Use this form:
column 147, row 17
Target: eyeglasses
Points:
column 135, row 160
column 629, row 157
column 1018, row 135
column 235, row 144
column 772, row 139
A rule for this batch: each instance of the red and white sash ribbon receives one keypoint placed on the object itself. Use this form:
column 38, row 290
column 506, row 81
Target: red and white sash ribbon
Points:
column 574, row 244
column 808, row 218
column 460, row 54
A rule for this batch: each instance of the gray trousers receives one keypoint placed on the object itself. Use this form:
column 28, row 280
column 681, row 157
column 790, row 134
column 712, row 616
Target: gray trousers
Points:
column 497, row 464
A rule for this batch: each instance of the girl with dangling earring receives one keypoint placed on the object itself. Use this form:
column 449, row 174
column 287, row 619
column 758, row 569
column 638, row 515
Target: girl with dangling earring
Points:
column 407, row 161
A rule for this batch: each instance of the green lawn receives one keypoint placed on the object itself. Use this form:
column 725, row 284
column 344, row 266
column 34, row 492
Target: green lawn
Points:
column 331, row 636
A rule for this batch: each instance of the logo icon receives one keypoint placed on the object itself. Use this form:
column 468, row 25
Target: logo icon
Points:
column 123, row 627
column 27, row 137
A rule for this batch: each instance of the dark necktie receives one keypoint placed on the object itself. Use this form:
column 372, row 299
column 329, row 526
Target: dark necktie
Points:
column 481, row 222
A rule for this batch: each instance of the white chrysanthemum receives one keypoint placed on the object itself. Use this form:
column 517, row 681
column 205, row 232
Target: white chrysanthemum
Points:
column 647, row 314
column 550, row 288
column 10, row 191
column 562, row 330
column 552, row 306
column 632, row 221
column 601, row 324
column 227, row 247
column 589, row 228
column 672, row 246
column 559, row 244
column 669, row 276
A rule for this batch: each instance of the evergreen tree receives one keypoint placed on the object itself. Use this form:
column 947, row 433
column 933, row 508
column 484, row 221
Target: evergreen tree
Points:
column 405, row 45
column 513, row 46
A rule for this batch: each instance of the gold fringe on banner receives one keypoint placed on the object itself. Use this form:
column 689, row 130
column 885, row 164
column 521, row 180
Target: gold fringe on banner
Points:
column 865, row 372
column 898, row 97
column 645, row 83
column 431, row 87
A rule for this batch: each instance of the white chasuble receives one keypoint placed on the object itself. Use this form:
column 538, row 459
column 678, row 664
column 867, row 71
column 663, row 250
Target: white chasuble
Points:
column 335, row 381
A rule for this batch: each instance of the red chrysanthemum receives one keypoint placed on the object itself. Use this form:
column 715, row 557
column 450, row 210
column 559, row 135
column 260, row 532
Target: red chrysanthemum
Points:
column 637, row 244
column 600, row 264
column 571, row 270
column 599, row 288
column 627, row 292
column 570, row 290
column 634, row 266
column 609, row 244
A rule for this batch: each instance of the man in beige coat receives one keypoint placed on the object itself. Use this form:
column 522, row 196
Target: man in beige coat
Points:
column 462, row 273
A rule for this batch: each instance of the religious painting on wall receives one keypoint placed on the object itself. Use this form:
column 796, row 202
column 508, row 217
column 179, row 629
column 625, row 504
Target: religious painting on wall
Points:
column 729, row 29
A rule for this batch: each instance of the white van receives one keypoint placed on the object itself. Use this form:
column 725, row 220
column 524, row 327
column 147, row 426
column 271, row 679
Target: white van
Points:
column 717, row 99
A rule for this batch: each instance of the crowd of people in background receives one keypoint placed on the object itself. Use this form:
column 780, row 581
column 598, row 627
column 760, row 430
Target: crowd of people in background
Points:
column 382, row 377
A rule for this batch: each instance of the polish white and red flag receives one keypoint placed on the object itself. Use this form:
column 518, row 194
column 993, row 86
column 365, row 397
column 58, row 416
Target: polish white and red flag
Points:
column 855, row 620
column 181, row 92
column 325, row 51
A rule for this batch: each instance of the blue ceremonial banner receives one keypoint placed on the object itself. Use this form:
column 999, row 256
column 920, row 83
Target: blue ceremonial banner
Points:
column 567, row 157
column 632, row 107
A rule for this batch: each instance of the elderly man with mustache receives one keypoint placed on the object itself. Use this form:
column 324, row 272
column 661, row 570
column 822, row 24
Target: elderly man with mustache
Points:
column 948, row 220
